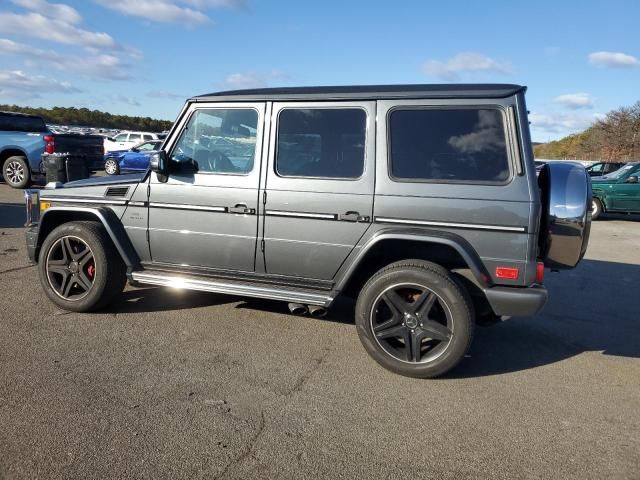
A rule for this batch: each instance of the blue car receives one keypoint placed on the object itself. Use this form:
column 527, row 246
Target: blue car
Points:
column 135, row 159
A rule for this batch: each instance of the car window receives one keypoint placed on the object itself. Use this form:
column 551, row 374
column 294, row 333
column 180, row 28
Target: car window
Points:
column 18, row 123
column 121, row 137
column 147, row 137
column 322, row 142
column 459, row 145
column 146, row 146
column 135, row 137
column 620, row 172
column 219, row 140
column 596, row 168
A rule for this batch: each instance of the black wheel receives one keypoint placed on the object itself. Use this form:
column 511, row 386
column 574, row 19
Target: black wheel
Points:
column 112, row 167
column 80, row 268
column 596, row 208
column 16, row 172
column 414, row 319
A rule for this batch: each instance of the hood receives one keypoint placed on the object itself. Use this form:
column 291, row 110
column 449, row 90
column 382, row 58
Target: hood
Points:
column 110, row 180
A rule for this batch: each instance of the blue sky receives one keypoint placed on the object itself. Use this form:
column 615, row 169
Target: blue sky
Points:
column 579, row 59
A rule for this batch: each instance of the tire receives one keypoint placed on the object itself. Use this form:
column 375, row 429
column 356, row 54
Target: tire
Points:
column 112, row 167
column 389, row 336
column 596, row 208
column 16, row 172
column 97, row 276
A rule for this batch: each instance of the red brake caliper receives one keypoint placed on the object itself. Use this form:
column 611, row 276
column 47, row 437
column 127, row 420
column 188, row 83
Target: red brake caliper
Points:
column 91, row 270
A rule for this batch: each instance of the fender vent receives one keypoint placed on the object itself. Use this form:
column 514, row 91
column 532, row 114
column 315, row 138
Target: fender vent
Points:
column 116, row 191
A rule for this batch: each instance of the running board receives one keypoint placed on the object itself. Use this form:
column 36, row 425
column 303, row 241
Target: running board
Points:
column 232, row 288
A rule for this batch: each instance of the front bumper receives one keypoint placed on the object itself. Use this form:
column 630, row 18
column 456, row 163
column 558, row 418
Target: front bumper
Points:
column 31, row 235
column 513, row 301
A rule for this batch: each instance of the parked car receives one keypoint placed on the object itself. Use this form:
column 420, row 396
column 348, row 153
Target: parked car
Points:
column 420, row 201
column 136, row 159
column 603, row 168
column 617, row 192
column 126, row 140
column 23, row 140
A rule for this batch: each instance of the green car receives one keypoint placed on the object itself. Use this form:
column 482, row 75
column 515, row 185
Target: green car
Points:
column 617, row 192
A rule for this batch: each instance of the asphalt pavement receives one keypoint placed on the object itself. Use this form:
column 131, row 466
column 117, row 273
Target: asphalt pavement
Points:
column 170, row 384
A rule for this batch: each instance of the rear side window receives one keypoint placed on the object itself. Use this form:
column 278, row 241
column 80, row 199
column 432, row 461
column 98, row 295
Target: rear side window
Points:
column 457, row 145
column 321, row 142
column 18, row 123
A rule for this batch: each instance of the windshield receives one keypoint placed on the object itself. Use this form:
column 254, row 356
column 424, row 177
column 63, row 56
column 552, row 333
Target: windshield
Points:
column 621, row 172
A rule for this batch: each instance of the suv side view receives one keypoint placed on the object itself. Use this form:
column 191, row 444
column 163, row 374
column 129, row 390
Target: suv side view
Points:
column 420, row 201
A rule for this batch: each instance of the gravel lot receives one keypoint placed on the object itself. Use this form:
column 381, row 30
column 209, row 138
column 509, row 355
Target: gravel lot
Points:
column 174, row 385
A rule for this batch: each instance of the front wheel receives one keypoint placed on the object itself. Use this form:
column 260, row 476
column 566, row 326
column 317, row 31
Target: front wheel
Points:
column 596, row 208
column 112, row 167
column 414, row 319
column 16, row 172
column 80, row 269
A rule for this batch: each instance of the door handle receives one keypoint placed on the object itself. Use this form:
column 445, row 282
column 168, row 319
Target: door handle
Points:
column 241, row 208
column 352, row 216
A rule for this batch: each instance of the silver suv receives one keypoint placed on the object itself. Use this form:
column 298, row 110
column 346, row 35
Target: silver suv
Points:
column 420, row 201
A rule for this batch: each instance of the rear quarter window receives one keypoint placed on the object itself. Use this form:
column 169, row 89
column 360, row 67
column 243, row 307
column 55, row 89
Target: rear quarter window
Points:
column 466, row 145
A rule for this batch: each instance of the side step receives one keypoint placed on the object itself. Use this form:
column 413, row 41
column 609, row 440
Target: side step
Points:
column 229, row 287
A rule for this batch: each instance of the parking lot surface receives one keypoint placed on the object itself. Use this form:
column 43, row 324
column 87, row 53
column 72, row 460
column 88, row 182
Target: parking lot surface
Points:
column 170, row 384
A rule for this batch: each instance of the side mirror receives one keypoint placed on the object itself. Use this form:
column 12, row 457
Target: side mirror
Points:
column 158, row 163
column 632, row 179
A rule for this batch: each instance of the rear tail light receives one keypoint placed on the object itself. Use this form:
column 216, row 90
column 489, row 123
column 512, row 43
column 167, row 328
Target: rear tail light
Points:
column 49, row 144
column 539, row 272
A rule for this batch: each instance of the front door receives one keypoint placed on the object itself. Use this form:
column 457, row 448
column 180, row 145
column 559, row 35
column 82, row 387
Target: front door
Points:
column 625, row 196
column 208, row 217
column 319, row 186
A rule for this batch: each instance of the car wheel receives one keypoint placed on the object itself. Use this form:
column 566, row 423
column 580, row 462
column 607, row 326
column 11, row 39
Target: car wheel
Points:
column 111, row 167
column 414, row 319
column 596, row 208
column 16, row 172
column 80, row 268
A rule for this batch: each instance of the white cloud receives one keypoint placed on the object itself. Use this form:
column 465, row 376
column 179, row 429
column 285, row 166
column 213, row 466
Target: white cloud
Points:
column 165, row 94
column 464, row 63
column 613, row 59
column 244, row 80
column 99, row 66
column 53, row 29
column 574, row 101
column 16, row 83
column 57, row 11
column 157, row 11
column 562, row 122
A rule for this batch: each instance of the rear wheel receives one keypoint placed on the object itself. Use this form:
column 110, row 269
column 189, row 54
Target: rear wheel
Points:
column 596, row 208
column 16, row 172
column 80, row 268
column 414, row 319
column 111, row 167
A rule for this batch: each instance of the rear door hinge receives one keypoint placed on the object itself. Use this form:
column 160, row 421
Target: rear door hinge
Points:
column 148, row 190
column 264, row 197
column 262, row 245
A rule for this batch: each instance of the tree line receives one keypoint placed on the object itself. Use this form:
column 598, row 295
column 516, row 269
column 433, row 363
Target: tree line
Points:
column 91, row 118
column 616, row 137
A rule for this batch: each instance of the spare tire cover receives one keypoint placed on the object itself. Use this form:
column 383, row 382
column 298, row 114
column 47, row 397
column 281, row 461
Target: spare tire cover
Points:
column 565, row 223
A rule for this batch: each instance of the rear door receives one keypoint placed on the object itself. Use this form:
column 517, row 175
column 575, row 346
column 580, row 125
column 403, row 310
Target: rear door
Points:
column 625, row 196
column 319, row 186
column 209, row 218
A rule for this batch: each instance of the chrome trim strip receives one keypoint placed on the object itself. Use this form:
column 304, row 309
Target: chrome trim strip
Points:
column 190, row 283
column 468, row 226
column 177, row 206
column 137, row 204
column 83, row 200
column 284, row 213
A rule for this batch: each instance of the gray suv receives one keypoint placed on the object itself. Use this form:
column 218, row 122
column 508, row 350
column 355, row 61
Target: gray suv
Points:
column 420, row 201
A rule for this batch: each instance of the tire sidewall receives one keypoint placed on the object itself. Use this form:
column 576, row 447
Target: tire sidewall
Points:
column 90, row 234
column 448, row 292
column 27, row 172
column 116, row 167
column 597, row 211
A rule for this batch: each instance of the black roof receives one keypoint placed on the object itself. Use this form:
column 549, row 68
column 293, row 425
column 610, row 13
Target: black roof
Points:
column 18, row 114
column 370, row 92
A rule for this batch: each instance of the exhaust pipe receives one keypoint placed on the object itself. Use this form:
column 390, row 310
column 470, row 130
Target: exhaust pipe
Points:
column 317, row 311
column 297, row 308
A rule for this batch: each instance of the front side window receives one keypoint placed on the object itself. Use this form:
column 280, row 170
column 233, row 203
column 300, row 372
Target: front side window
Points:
column 146, row 146
column 147, row 137
column 121, row 137
column 135, row 137
column 219, row 140
column 321, row 142
column 459, row 145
